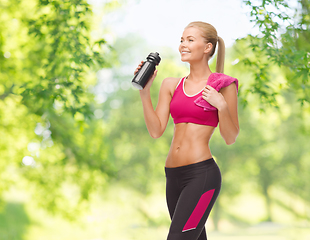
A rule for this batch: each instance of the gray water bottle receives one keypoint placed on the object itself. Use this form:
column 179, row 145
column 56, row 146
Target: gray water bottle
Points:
column 146, row 71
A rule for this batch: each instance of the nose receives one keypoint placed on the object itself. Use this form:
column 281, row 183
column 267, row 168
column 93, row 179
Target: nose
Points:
column 183, row 44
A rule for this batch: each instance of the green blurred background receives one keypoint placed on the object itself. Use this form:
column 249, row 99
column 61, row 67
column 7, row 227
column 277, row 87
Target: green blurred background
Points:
column 76, row 161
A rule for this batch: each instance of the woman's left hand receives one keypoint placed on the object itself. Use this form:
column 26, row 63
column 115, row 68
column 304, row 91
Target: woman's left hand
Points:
column 213, row 97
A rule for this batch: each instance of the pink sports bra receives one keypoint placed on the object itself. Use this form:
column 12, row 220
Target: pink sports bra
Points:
column 184, row 110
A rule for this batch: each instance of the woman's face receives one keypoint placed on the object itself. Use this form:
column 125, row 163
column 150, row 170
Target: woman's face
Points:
column 193, row 47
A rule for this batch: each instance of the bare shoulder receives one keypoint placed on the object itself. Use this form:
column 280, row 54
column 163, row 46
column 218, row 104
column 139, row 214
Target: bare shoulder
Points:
column 230, row 89
column 171, row 81
column 170, row 84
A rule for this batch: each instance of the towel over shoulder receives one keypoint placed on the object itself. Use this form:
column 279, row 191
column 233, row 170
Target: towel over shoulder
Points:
column 217, row 81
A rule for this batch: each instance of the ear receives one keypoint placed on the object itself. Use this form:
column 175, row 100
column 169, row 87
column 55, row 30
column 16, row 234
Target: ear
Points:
column 208, row 47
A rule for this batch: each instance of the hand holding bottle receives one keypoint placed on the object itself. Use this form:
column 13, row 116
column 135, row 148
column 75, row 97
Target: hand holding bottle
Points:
column 146, row 71
column 151, row 79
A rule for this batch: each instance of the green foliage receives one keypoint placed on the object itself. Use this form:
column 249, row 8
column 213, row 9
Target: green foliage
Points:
column 283, row 41
column 13, row 222
column 270, row 150
column 80, row 134
column 63, row 56
column 47, row 69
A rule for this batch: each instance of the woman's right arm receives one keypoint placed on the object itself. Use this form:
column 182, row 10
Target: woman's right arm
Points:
column 156, row 120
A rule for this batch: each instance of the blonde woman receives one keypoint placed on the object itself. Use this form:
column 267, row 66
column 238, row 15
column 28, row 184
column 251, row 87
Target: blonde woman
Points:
column 198, row 103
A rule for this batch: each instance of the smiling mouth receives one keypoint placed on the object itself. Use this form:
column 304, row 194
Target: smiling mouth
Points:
column 184, row 52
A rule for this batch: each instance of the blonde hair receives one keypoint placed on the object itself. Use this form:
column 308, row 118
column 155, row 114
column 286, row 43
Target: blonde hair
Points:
column 209, row 33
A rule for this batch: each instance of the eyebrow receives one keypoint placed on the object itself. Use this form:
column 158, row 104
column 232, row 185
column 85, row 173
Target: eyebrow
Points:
column 189, row 37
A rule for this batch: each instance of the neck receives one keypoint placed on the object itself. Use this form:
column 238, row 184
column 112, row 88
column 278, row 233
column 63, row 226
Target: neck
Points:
column 199, row 71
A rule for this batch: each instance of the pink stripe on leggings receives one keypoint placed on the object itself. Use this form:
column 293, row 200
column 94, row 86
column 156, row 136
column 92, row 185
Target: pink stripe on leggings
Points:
column 199, row 210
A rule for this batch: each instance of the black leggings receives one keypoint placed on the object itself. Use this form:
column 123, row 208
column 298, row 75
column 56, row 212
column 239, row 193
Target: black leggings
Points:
column 191, row 192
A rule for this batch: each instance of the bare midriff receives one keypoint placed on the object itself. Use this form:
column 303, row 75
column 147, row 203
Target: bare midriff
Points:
column 190, row 144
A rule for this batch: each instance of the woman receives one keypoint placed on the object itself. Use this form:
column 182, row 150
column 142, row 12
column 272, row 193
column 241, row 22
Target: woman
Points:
column 193, row 177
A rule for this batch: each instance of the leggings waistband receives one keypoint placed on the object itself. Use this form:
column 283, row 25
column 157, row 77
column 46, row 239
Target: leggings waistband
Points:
column 179, row 171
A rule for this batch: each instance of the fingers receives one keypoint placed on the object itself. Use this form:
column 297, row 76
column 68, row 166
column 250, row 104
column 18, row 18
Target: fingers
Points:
column 150, row 82
column 208, row 93
column 209, row 88
column 138, row 68
column 206, row 90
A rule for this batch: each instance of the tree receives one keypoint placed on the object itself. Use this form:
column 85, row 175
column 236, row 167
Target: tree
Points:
column 49, row 137
column 269, row 154
column 283, row 40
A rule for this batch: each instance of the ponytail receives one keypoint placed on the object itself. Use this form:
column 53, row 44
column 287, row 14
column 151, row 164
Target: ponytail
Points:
column 220, row 56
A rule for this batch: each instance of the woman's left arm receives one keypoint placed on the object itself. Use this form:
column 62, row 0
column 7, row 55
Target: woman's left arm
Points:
column 226, row 102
